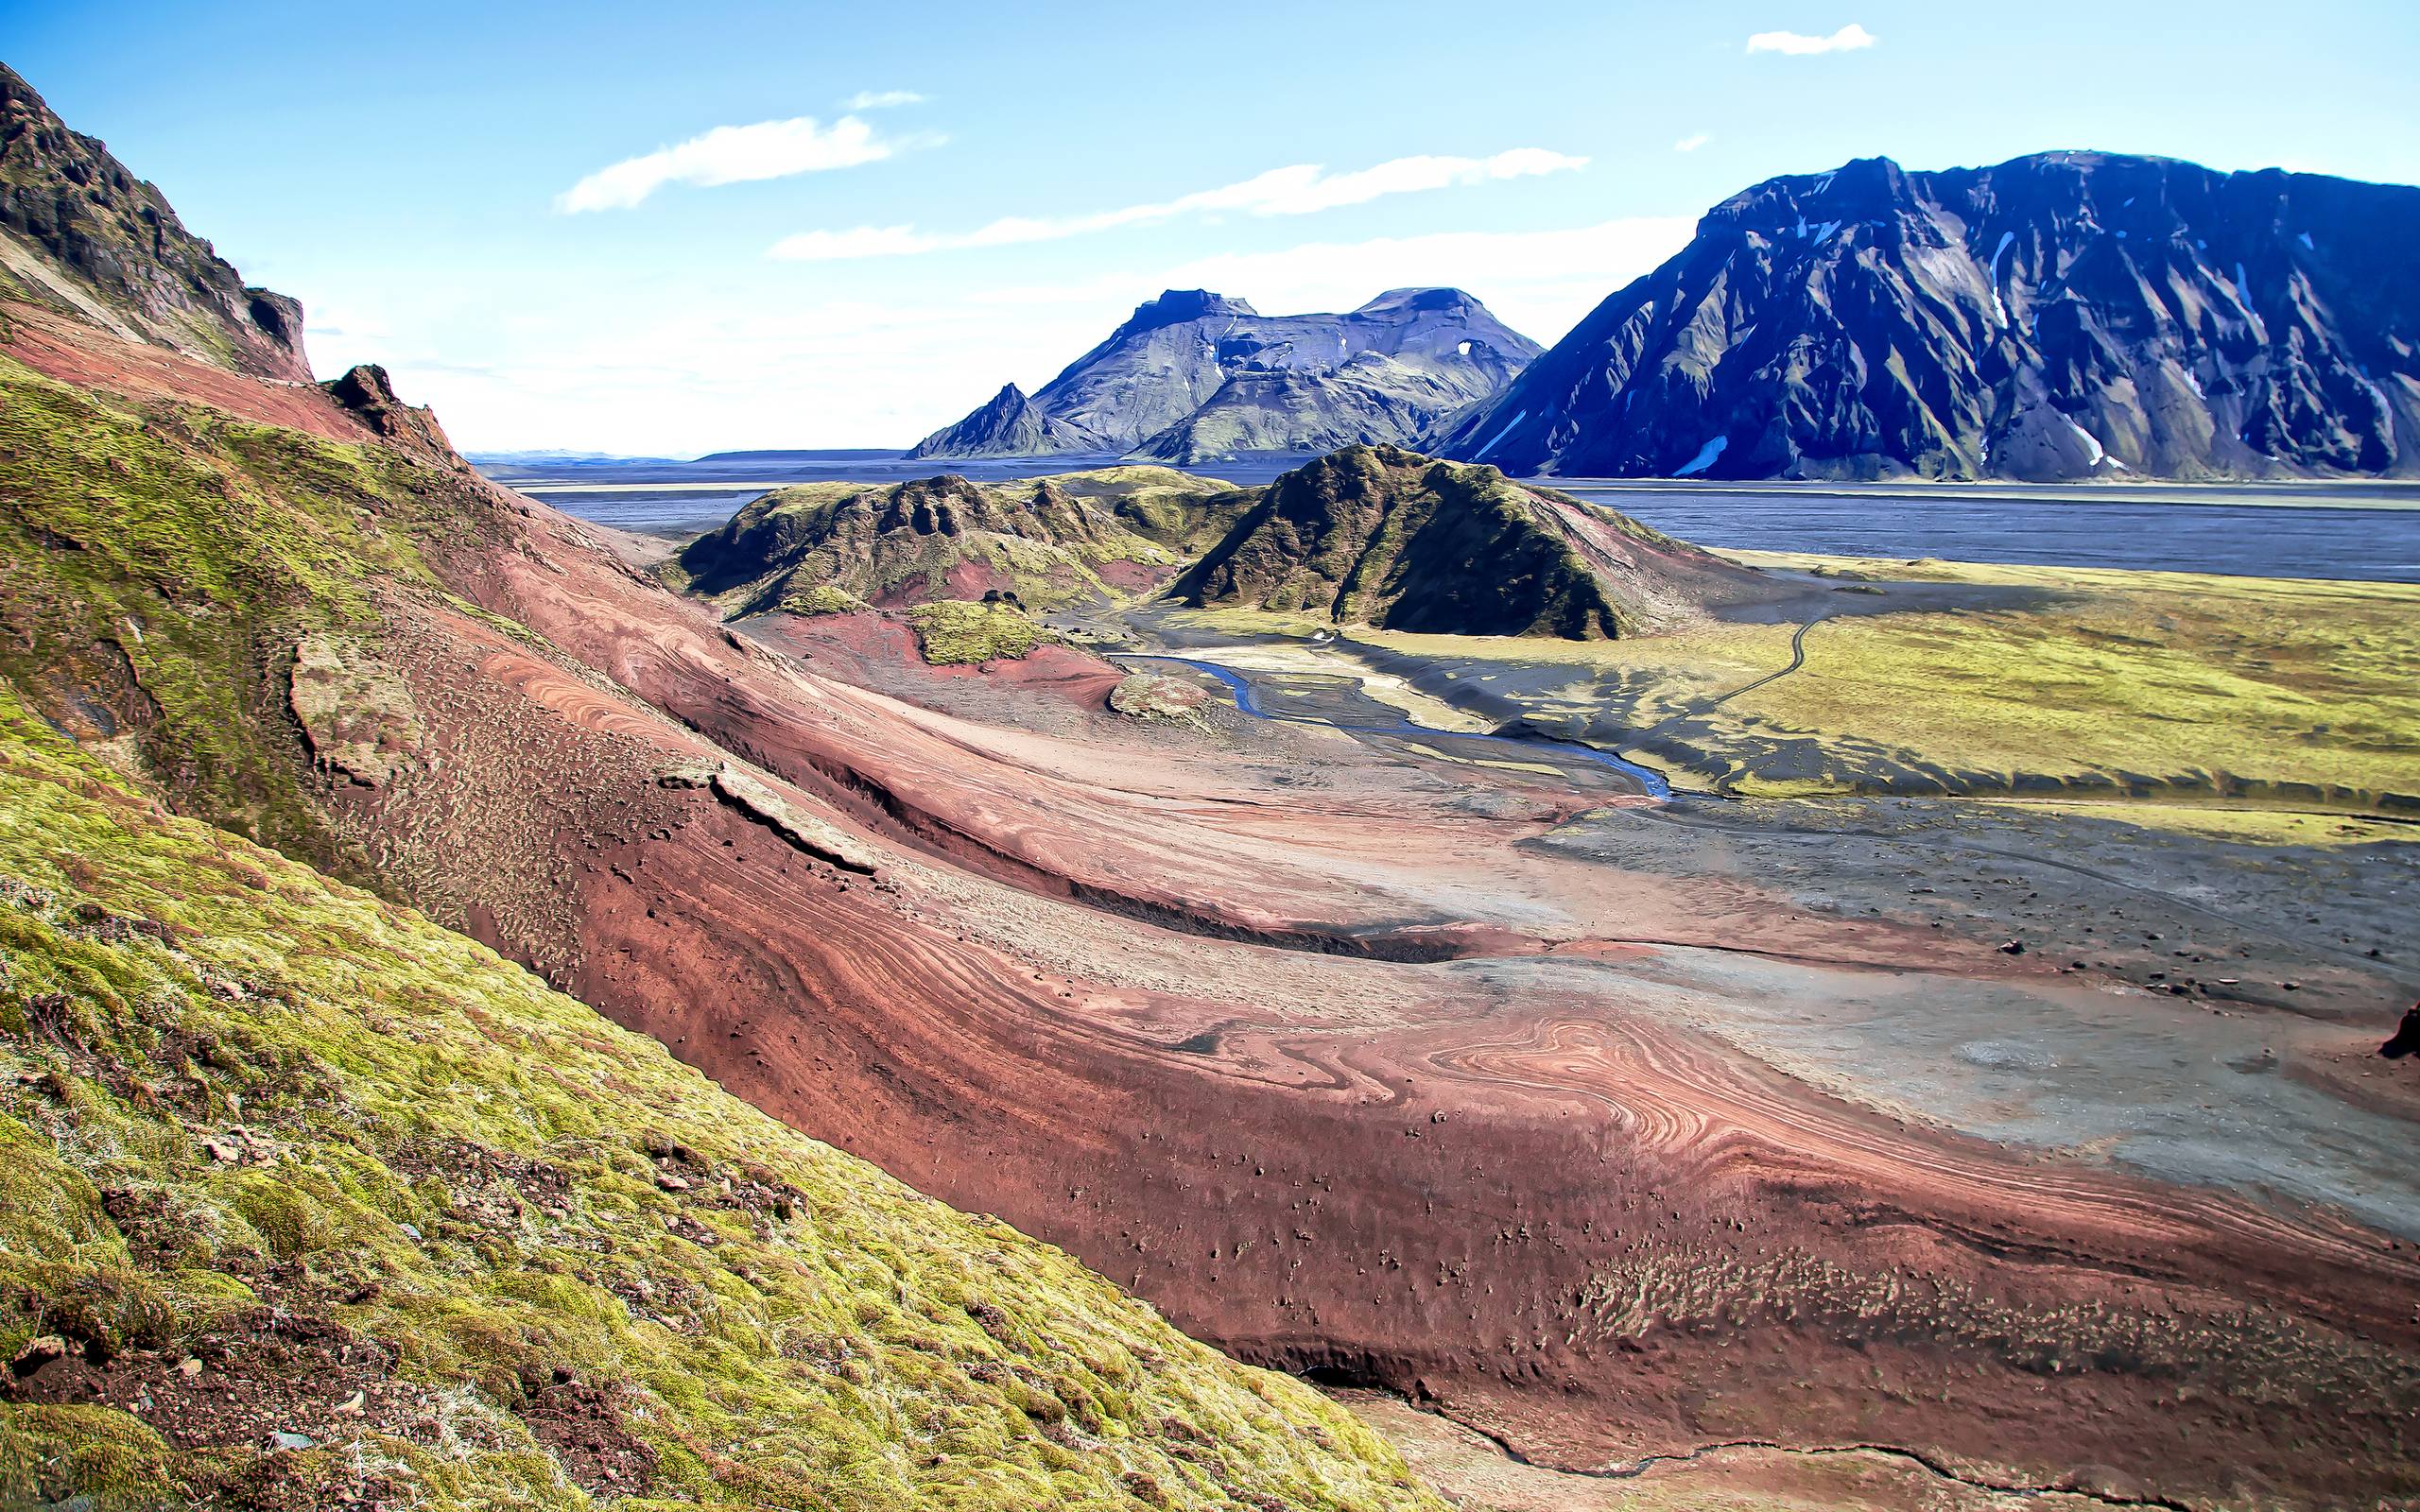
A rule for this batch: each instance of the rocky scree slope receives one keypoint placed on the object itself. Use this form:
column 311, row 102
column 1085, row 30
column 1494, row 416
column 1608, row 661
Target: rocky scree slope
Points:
column 1194, row 375
column 1385, row 536
column 2068, row 315
column 78, row 232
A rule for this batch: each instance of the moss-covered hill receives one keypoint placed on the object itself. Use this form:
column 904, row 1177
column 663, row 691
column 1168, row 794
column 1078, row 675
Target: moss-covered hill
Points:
column 1078, row 538
column 1377, row 535
column 304, row 1199
column 159, row 563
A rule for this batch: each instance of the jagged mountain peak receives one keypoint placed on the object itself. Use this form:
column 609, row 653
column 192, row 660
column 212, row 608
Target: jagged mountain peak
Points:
column 1007, row 424
column 1176, row 306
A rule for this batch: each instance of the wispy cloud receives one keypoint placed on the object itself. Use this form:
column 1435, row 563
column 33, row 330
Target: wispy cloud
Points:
column 881, row 99
column 1690, row 144
column 735, row 154
column 1299, row 190
column 1798, row 44
column 1540, row 283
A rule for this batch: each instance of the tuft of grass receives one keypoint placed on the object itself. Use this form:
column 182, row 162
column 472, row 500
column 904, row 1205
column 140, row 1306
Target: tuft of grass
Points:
column 228, row 1083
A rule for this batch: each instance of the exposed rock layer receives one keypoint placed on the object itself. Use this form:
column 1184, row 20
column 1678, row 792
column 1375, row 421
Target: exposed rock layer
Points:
column 107, row 245
column 1353, row 1078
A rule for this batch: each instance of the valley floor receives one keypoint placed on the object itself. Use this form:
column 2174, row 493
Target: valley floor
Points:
column 2005, row 934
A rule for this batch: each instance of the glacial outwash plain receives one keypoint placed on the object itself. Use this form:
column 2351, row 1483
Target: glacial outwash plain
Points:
column 1371, row 982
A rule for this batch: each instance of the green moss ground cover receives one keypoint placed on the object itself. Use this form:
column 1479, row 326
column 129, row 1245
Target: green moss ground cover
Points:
column 953, row 632
column 247, row 1113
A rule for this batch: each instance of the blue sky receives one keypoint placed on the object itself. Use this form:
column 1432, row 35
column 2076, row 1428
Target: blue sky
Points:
column 415, row 174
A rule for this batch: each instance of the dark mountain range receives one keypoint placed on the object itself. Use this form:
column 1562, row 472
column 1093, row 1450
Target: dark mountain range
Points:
column 1381, row 536
column 2070, row 315
column 1196, row 376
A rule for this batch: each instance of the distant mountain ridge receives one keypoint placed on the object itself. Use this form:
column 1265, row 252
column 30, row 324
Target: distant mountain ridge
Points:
column 2067, row 315
column 1193, row 375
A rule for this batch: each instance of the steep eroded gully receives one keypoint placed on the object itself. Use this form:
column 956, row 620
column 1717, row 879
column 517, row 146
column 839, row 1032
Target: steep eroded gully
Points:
column 1552, row 1205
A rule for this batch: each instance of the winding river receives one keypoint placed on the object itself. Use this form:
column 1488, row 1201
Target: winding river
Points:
column 1652, row 782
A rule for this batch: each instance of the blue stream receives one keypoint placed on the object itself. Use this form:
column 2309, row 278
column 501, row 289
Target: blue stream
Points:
column 1652, row 782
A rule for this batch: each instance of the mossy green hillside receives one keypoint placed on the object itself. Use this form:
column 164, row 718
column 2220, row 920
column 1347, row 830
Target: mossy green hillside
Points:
column 230, row 1085
column 951, row 633
column 157, row 565
column 1078, row 538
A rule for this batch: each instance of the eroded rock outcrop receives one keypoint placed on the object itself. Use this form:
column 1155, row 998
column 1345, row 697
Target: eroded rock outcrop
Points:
column 77, row 230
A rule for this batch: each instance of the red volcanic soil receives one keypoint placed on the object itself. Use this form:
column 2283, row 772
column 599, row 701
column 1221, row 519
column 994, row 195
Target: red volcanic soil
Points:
column 1227, row 1040
column 75, row 353
column 1311, row 1048
column 1132, row 576
column 873, row 651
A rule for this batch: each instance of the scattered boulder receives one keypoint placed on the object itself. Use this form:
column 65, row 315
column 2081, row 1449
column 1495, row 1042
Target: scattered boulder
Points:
column 2406, row 1038
column 817, row 837
column 356, row 710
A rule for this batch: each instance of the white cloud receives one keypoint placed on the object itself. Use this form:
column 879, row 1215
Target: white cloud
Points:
column 881, row 99
column 716, row 367
column 1690, row 144
column 1538, row 283
column 1798, row 44
column 734, row 154
column 1299, row 190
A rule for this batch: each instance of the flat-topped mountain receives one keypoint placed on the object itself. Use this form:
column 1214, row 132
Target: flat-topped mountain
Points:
column 1195, row 375
column 1385, row 536
column 2068, row 315
column 88, row 236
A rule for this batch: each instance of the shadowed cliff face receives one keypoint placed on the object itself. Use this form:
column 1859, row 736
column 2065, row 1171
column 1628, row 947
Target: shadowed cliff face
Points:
column 107, row 246
column 1195, row 375
column 2064, row 315
column 1381, row 536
